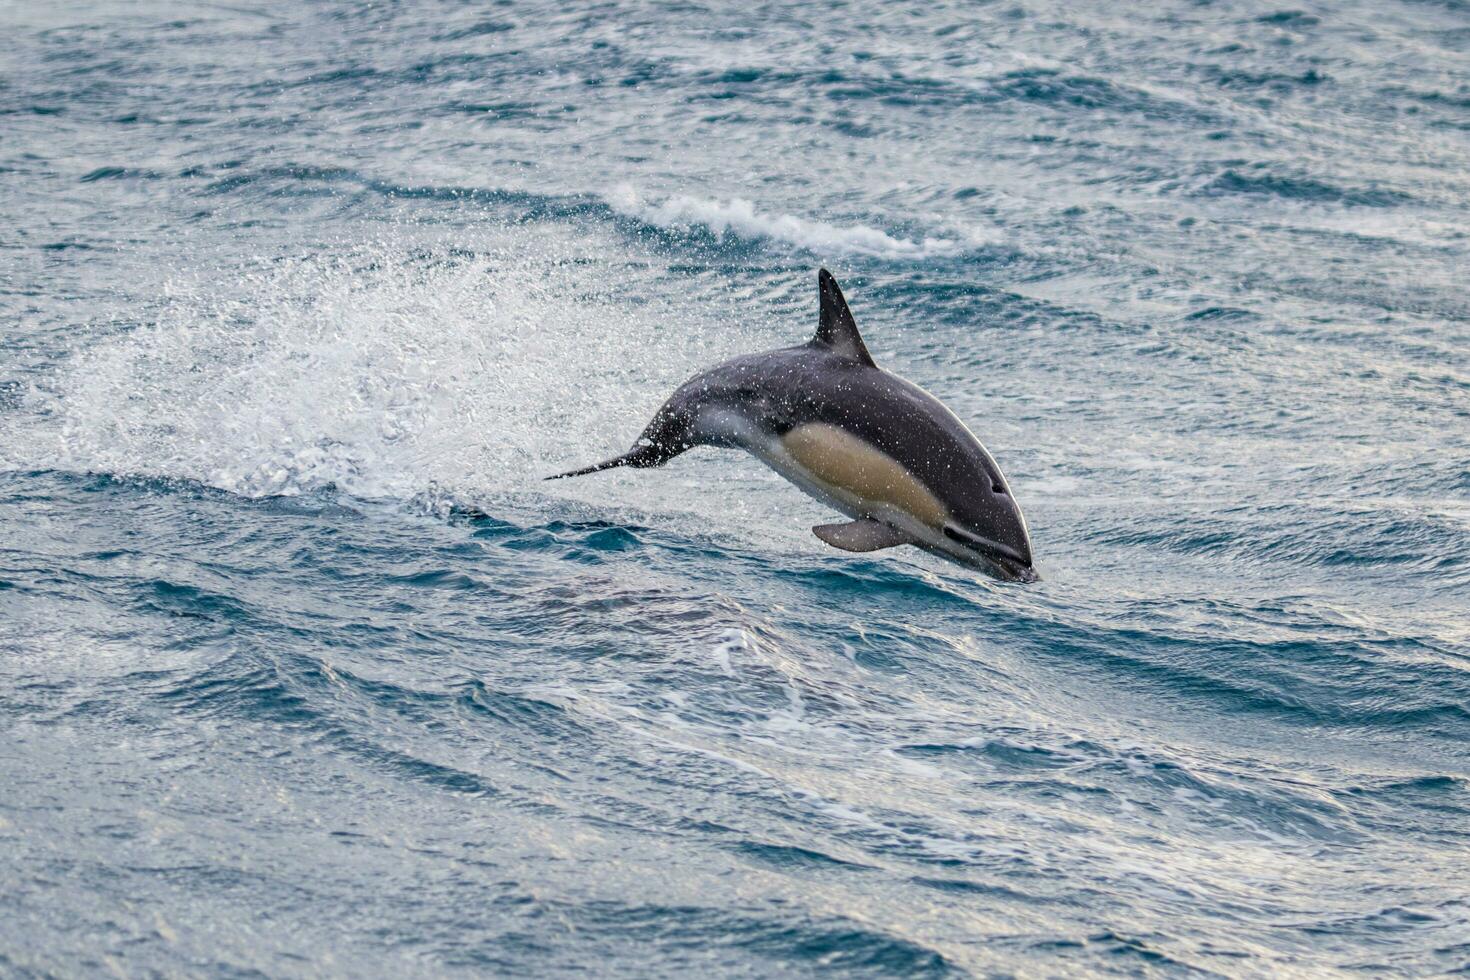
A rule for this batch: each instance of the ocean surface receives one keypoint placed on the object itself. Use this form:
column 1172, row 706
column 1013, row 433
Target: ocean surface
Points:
column 305, row 672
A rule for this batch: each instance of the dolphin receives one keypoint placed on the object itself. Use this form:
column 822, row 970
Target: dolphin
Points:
column 858, row 438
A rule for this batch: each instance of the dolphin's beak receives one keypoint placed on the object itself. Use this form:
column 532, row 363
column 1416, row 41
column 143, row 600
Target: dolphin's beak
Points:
column 1014, row 571
column 1002, row 559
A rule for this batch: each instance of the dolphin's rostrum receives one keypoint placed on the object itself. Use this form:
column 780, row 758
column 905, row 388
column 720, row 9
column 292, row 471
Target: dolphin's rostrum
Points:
column 876, row 447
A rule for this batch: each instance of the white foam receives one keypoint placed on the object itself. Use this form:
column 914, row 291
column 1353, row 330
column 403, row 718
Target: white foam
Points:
column 734, row 640
column 740, row 217
column 386, row 368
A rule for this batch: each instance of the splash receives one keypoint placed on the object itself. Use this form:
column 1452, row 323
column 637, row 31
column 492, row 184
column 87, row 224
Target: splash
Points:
column 383, row 369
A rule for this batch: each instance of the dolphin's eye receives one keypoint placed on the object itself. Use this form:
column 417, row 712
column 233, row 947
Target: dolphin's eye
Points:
column 998, row 488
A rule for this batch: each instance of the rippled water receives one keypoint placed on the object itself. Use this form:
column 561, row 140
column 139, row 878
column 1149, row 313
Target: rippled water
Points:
column 304, row 671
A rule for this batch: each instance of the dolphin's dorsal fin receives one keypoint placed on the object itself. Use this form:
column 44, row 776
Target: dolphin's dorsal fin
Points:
column 835, row 325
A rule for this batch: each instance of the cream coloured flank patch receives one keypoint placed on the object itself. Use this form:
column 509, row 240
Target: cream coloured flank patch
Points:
column 853, row 468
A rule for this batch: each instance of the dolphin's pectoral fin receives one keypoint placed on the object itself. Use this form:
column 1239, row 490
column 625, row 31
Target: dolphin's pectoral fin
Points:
column 863, row 535
column 835, row 326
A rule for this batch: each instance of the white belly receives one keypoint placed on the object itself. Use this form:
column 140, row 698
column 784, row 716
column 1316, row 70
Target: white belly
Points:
column 854, row 477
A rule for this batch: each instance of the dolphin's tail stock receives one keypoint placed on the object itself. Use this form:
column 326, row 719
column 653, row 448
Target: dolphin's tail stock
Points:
column 640, row 457
column 665, row 437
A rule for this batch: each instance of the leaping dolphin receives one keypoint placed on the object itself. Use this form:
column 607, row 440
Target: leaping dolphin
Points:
column 878, row 448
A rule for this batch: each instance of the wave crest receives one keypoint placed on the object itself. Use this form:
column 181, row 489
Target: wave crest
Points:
column 739, row 217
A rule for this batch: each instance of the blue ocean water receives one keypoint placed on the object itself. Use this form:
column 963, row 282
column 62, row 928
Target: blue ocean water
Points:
column 304, row 671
